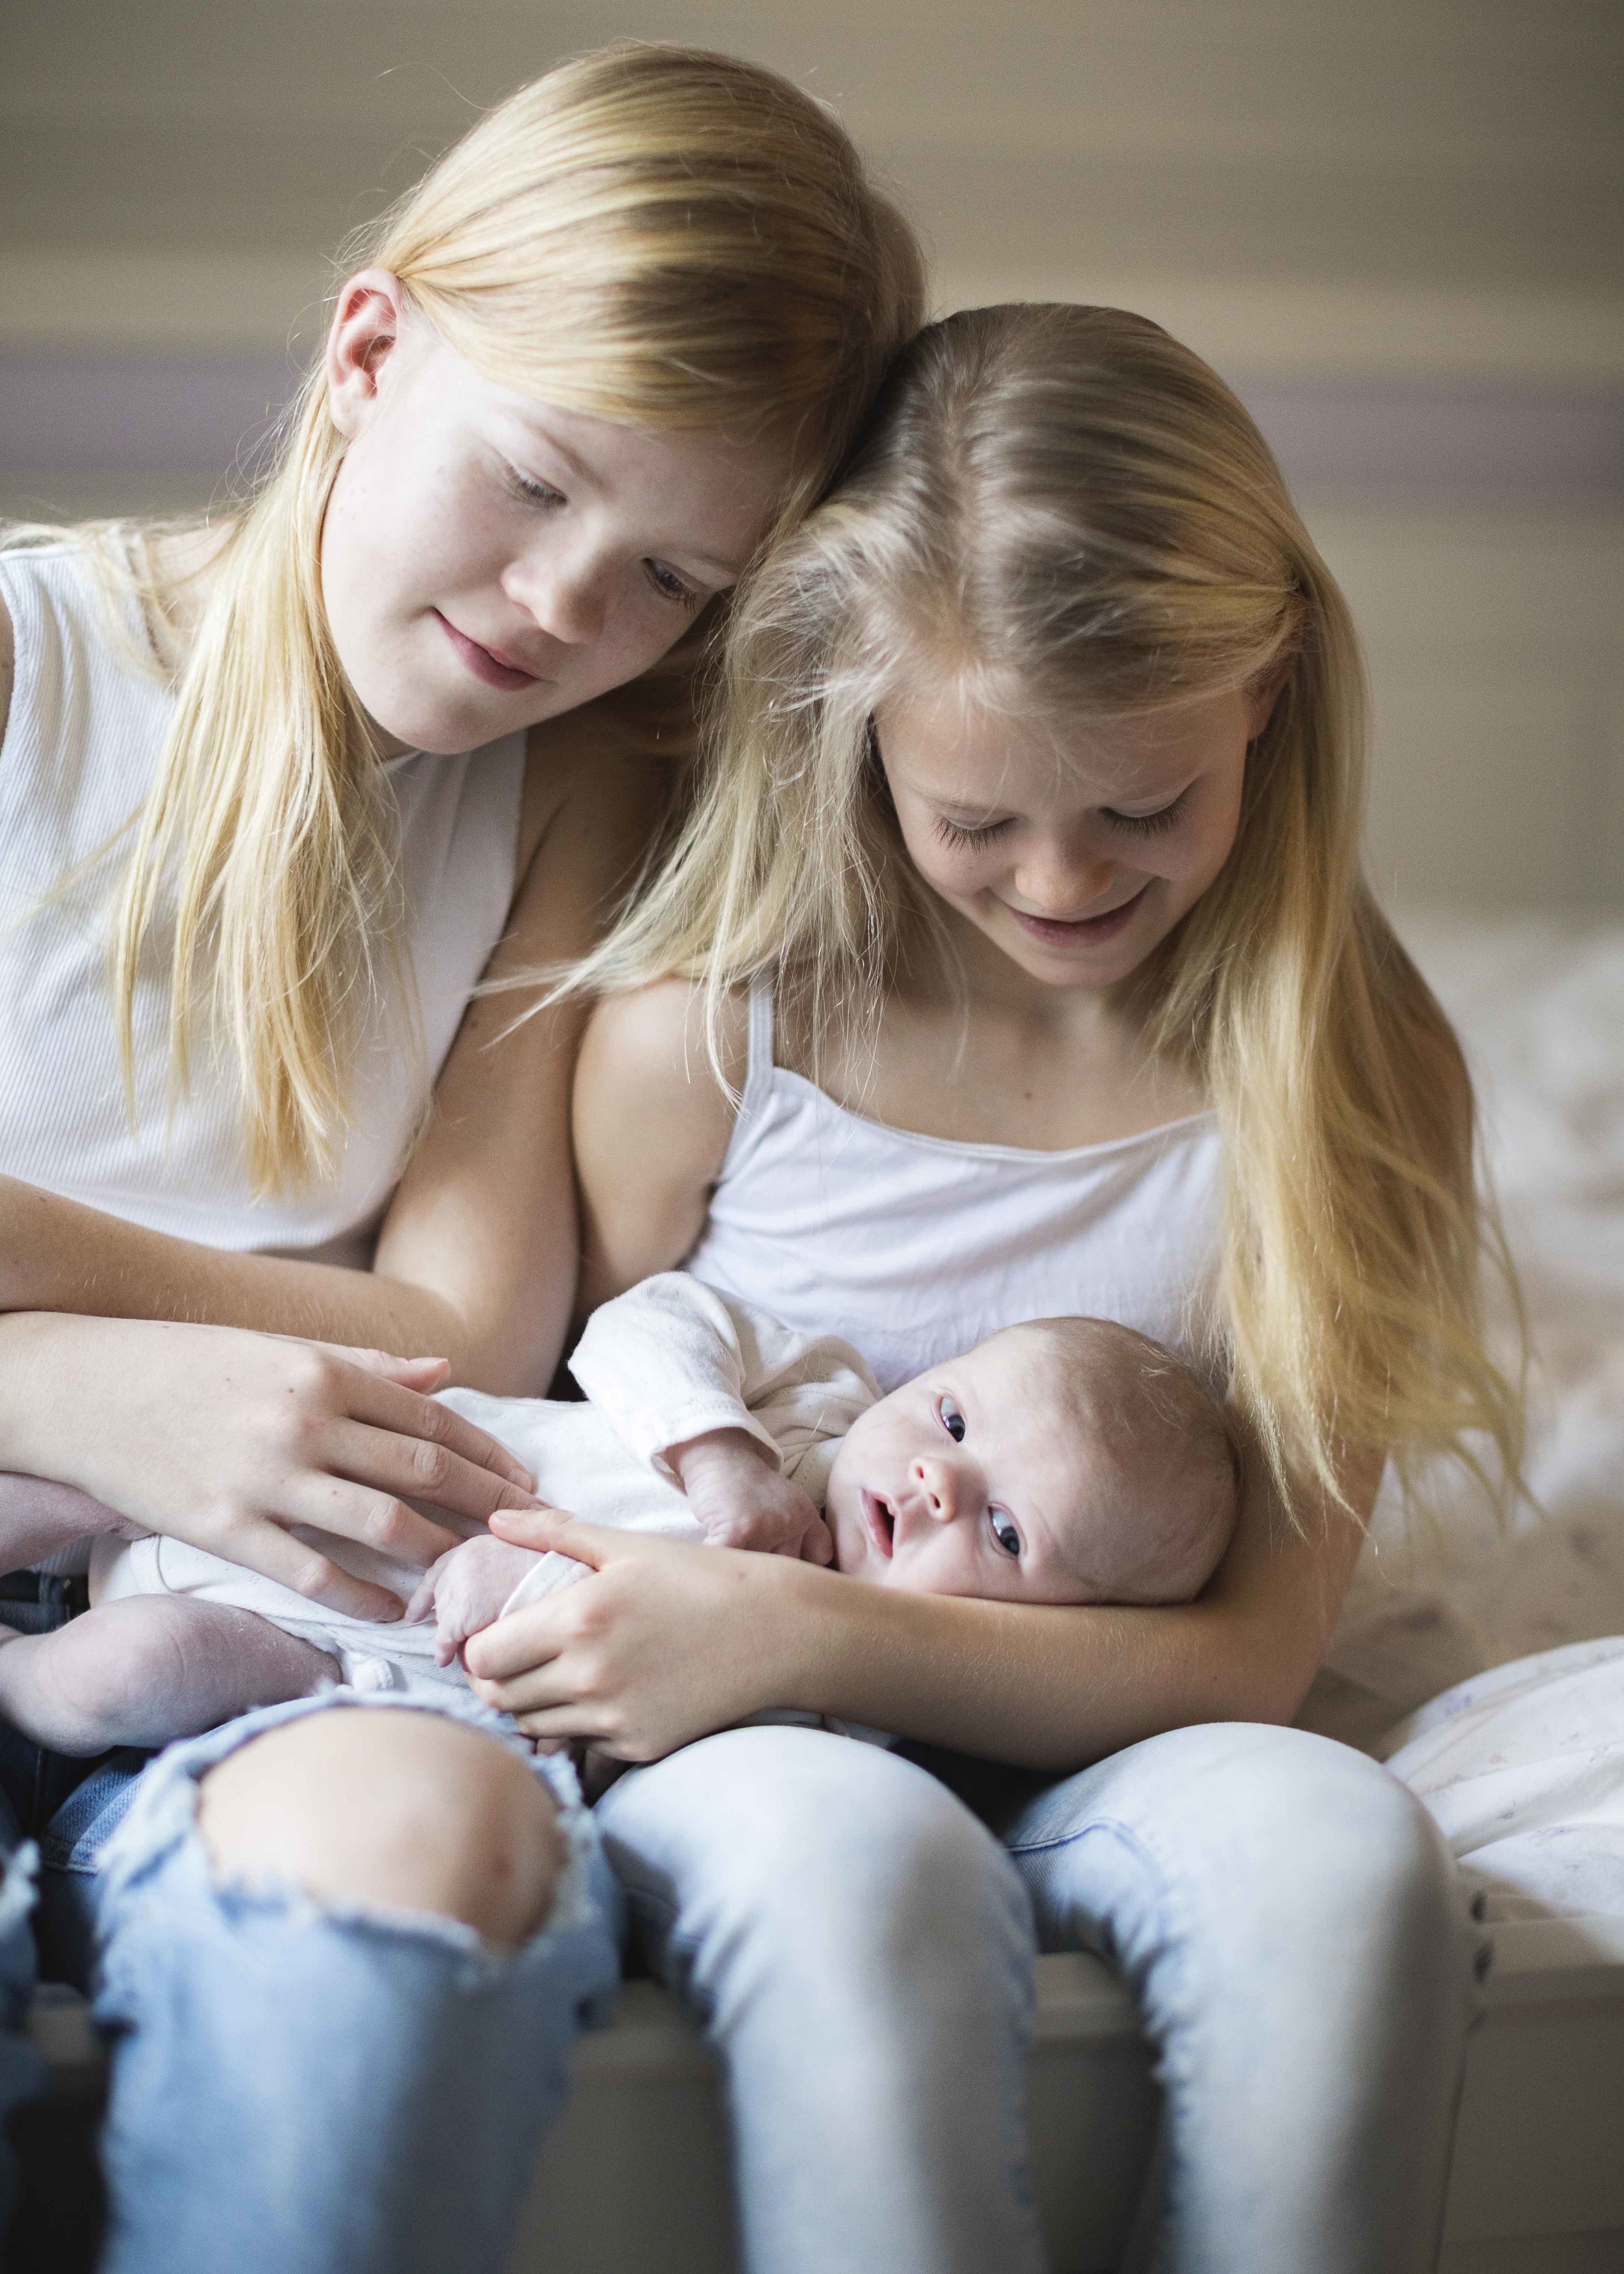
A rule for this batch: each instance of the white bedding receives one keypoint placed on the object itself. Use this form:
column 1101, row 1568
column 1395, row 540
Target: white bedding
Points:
column 1524, row 1769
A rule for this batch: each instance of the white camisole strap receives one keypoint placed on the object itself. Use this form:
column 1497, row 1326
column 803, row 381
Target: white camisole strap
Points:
column 758, row 1063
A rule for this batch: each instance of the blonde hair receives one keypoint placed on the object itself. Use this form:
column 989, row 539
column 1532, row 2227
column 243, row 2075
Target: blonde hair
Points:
column 1065, row 502
column 658, row 235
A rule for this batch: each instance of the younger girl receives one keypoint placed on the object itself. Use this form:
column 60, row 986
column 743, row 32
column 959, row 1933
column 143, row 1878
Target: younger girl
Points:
column 1023, row 921
column 302, row 770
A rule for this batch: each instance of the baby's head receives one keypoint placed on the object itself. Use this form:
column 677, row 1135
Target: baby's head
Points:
column 1065, row 1461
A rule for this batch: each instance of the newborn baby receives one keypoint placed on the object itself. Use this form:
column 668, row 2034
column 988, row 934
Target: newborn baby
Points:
column 1065, row 1461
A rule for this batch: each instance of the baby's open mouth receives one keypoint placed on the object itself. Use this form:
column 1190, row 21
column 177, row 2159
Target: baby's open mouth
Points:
column 881, row 1519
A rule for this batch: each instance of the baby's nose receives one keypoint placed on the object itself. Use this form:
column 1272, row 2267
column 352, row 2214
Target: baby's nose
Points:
column 938, row 1489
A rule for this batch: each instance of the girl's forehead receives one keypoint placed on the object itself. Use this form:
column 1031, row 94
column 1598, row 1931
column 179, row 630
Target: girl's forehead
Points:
column 953, row 745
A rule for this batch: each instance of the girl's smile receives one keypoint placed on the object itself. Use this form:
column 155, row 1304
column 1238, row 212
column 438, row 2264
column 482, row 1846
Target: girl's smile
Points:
column 484, row 662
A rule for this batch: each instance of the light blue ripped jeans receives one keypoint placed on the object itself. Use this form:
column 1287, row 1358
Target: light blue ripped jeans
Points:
column 300, row 2089
column 858, row 1945
column 299, row 2092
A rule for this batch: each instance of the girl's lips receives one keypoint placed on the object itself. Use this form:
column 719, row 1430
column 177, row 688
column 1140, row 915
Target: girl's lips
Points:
column 877, row 1517
column 1086, row 931
column 492, row 668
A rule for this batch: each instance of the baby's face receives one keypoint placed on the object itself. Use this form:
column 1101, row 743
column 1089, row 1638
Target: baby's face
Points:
column 973, row 1480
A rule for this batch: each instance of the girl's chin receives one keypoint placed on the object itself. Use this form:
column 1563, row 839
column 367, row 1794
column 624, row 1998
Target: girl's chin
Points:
column 442, row 729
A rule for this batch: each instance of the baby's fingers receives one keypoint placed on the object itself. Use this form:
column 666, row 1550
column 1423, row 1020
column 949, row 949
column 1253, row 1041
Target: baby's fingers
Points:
column 422, row 1603
column 817, row 1544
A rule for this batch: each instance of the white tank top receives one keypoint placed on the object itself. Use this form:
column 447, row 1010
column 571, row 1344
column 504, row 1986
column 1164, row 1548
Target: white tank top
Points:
column 86, row 728
column 916, row 1248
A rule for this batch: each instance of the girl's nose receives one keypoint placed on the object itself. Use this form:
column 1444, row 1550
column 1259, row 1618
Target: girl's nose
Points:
column 1062, row 883
column 569, row 600
column 938, row 1489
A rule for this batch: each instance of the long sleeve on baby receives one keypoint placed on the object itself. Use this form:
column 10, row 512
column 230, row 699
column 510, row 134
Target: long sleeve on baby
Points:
column 672, row 1360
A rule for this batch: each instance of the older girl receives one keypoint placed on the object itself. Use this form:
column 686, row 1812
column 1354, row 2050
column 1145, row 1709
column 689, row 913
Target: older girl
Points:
column 302, row 771
column 1017, row 960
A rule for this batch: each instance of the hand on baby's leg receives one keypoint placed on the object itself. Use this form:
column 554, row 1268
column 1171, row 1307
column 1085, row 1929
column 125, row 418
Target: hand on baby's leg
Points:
column 149, row 1669
column 467, row 1588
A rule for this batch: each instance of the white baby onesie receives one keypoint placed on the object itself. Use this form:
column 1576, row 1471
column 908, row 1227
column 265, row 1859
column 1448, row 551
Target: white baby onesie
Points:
column 668, row 1361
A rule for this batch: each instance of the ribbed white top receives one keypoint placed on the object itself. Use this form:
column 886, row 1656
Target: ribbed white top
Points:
column 916, row 1248
column 86, row 728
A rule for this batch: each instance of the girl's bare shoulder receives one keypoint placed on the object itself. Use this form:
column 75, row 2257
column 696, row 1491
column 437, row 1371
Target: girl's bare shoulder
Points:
column 653, row 1118
column 648, row 1048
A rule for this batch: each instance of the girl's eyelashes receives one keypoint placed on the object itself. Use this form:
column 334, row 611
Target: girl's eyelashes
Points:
column 961, row 835
column 1149, row 824
column 956, row 832
column 1004, row 1532
column 951, row 1420
column 528, row 490
column 669, row 586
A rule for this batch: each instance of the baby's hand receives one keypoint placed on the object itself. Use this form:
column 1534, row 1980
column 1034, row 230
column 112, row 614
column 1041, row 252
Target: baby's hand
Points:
column 467, row 1588
column 738, row 1495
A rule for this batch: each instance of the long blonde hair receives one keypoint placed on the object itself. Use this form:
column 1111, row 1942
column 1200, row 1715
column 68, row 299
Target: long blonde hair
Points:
column 1066, row 502
column 658, row 235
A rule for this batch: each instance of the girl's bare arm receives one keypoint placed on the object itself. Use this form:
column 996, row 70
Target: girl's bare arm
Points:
column 651, row 1128
column 476, row 1260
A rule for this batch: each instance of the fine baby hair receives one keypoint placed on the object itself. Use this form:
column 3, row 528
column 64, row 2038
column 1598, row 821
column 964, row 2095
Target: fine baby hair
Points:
column 1165, row 1444
column 656, row 236
column 1067, row 514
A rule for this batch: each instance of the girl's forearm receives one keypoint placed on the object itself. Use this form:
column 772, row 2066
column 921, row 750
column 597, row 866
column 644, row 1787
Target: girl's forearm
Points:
column 1038, row 1686
column 56, row 1255
column 1052, row 1687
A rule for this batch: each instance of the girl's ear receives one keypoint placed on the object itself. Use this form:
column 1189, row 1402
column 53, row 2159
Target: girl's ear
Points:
column 367, row 326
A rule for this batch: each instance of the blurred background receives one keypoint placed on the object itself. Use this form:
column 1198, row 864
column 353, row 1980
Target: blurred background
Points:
column 1394, row 225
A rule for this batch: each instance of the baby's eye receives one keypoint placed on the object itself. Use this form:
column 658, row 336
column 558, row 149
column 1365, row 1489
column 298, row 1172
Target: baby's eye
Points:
column 951, row 1420
column 1004, row 1532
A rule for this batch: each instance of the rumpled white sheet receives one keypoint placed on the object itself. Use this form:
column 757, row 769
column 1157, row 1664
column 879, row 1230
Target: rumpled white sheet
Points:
column 1523, row 1767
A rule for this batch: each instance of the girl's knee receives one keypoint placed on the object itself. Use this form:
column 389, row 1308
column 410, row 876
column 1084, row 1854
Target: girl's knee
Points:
column 1292, row 1824
column 1317, row 1796
column 397, row 1811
